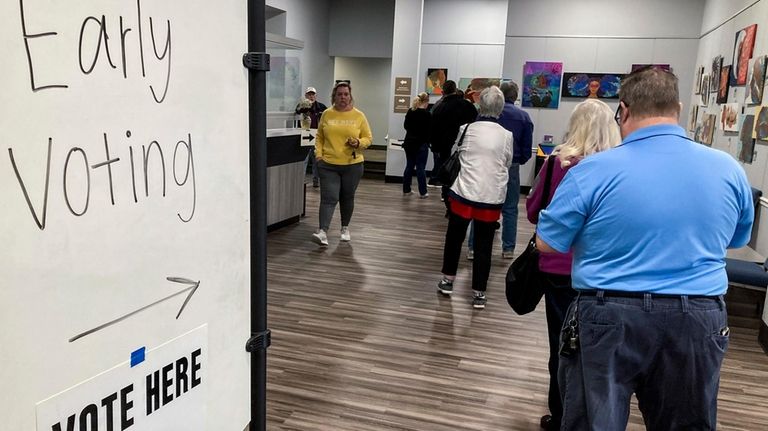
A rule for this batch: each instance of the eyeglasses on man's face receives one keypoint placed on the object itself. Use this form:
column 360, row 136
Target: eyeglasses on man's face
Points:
column 617, row 116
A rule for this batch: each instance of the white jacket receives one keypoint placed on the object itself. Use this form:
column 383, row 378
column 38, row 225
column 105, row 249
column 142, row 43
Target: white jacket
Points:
column 486, row 155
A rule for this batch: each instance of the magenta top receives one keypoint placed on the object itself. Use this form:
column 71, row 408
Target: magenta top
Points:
column 553, row 263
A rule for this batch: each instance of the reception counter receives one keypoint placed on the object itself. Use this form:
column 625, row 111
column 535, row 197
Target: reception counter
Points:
column 285, row 175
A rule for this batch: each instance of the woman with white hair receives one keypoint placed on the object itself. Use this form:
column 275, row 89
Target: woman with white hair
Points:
column 591, row 129
column 478, row 193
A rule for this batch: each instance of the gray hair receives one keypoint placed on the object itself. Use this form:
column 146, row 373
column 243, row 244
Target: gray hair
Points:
column 491, row 102
column 510, row 90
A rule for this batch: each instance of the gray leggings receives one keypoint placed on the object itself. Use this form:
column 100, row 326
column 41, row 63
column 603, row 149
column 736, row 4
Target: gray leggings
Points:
column 337, row 185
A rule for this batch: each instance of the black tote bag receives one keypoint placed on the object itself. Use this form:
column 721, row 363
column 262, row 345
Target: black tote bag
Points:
column 523, row 281
column 450, row 168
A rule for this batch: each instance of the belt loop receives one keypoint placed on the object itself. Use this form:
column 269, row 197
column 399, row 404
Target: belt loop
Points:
column 600, row 296
column 647, row 302
column 684, row 303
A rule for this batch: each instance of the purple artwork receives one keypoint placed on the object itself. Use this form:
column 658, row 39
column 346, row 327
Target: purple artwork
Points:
column 541, row 84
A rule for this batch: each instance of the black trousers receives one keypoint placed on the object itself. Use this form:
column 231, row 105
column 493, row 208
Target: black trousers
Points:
column 454, row 240
column 558, row 295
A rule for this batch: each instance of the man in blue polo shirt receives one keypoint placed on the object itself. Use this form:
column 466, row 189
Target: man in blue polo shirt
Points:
column 649, row 223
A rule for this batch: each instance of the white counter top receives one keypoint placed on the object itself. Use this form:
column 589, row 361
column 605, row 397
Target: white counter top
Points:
column 271, row 133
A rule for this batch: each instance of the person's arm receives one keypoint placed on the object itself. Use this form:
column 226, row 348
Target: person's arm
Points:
column 743, row 230
column 543, row 246
column 563, row 219
column 366, row 137
column 526, row 142
column 533, row 202
column 320, row 138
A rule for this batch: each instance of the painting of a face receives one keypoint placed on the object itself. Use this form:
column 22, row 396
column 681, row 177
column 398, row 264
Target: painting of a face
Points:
column 592, row 85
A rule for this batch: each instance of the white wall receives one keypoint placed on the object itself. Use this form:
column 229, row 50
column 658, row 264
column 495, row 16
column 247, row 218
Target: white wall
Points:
column 407, row 35
column 309, row 21
column 465, row 37
column 621, row 34
column 361, row 28
column 370, row 78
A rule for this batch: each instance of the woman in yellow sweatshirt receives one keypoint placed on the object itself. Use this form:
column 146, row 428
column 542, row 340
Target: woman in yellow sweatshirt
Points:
column 342, row 135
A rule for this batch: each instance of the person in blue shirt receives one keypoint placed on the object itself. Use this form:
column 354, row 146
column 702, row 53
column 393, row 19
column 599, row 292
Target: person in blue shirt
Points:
column 648, row 223
column 519, row 123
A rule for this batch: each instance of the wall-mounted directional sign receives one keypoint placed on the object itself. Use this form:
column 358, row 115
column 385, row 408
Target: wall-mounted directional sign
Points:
column 402, row 103
column 403, row 86
column 308, row 137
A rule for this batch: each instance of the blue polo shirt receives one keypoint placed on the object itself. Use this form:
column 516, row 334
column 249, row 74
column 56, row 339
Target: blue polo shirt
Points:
column 655, row 214
column 519, row 123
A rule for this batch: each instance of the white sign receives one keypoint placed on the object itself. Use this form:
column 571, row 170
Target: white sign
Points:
column 308, row 137
column 161, row 389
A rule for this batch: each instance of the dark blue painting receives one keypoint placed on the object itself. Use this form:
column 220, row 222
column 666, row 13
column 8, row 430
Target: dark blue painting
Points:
column 592, row 85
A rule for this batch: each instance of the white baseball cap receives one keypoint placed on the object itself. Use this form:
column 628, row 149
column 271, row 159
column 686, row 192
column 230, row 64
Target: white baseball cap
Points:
column 310, row 90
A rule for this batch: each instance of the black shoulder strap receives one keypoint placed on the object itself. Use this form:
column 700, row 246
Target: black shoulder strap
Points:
column 462, row 134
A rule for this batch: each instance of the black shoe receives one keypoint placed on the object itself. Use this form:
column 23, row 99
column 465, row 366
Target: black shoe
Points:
column 445, row 286
column 315, row 183
column 548, row 423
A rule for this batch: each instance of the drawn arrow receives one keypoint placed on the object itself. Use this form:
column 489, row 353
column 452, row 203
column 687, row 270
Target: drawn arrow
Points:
column 401, row 100
column 403, row 82
column 308, row 138
column 193, row 285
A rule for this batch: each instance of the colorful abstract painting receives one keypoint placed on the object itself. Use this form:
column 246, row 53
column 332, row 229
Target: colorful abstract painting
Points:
column 592, row 85
column 756, row 81
column 729, row 117
column 724, row 84
column 742, row 52
column 435, row 80
column 746, row 141
column 714, row 74
column 760, row 131
column 541, row 84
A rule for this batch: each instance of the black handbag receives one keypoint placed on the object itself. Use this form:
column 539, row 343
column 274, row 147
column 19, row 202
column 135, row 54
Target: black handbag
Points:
column 449, row 170
column 523, row 282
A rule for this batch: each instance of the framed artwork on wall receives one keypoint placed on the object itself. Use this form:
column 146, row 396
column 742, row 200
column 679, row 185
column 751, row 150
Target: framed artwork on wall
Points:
column 756, row 81
column 541, row 84
column 592, row 85
column 435, row 80
column 714, row 80
column 709, row 125
column 724, row 84
column 697, row 86
column 729, row 117
column 742, row 52
column 704, row 93
column 692, row 118
column 746, row 141
column 760, row 131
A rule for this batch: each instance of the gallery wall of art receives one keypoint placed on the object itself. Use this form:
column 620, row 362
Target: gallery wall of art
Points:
column 724, row 37
column 596, row 42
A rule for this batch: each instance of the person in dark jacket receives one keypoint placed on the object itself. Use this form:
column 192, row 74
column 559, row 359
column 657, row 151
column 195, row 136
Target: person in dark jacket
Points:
column 416, row 144
column 447, row 115
column 313, row 111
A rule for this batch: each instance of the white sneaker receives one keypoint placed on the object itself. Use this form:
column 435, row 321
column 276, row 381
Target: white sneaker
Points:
column 424, row 196
column 345, row 234
column 320, row 238
column 470, row 254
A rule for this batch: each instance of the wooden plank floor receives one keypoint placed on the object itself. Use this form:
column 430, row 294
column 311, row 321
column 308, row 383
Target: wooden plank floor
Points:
column 362, row 341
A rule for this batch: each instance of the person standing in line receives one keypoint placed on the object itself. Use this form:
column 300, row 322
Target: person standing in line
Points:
column 313, row 111
column 649, row 223
column 416, row 144
column 591, row 129
column 448, row 114
column 477, row 194
column 519, row 123
column 342, row 135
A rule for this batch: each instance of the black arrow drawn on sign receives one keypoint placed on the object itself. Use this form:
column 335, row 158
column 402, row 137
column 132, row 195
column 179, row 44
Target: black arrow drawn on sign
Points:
column 193, row 285
column 308, row 138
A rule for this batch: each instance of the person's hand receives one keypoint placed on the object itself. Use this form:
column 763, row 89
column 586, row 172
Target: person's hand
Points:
column 353, row 142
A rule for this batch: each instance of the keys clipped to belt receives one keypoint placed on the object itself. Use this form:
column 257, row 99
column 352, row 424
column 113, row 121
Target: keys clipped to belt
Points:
column 569, row 338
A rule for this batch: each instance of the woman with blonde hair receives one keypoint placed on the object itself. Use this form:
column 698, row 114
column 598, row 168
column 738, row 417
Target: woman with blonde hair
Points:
column 342, row 135
column 591, row 129
column 416, row 144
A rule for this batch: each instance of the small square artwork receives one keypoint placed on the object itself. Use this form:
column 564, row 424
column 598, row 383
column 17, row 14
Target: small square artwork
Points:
column 709, row 125
column 704, row 90
column 699, row 77
column 592, row 85
column 746, row 141
column 760, row 131
column 714, row 80
column 541, row 84
column 729, row 117
column 435, row 80
column 742, row 52
column 756, row 81
column 724, row 84
column 692, row 118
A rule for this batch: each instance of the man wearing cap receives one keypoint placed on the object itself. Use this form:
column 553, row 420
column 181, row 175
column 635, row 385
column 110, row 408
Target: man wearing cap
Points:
column 314, row 111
